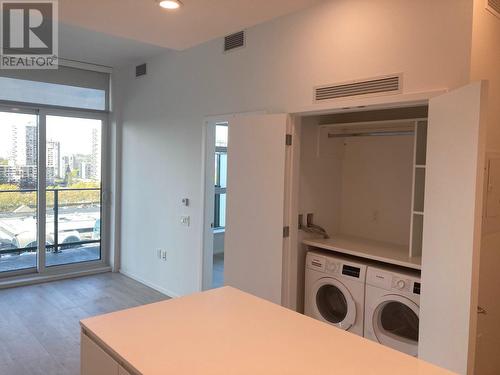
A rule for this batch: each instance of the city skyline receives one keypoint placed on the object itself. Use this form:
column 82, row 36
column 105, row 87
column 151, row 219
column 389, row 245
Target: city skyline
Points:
column 58, row 129
column 66, row 149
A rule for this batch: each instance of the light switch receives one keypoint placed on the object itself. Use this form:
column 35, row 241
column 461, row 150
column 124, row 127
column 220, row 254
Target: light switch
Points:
column 186, row 221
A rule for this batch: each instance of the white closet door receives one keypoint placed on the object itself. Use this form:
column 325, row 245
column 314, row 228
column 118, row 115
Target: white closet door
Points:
column 452, row 228
column 255, row 204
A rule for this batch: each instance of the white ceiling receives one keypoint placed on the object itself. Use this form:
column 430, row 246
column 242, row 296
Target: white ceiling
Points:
column 112, row 32
column 79, row 44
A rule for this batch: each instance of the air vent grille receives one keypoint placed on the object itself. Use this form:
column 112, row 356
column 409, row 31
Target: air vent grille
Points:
column 141, row 70
column 390, row 84
column 494, row 7
column 233, row 41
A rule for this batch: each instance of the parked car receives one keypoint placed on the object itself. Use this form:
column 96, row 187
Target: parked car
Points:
column 5, row 244
column 73, row 228
column 65, row 240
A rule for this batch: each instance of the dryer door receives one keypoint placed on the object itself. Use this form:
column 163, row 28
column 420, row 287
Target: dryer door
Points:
column 395, row 321
column 333, row 303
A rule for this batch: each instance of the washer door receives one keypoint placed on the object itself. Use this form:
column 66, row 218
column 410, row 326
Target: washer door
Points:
column 395, row 322
column 333, row 303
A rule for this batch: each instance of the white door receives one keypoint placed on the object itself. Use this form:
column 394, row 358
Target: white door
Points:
column 452, row 228
column 255, row 204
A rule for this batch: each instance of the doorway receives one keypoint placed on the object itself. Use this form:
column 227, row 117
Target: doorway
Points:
column 215, row 203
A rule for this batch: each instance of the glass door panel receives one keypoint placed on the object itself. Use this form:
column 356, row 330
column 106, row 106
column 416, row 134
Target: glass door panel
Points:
column 18, row 191
column 73, row 190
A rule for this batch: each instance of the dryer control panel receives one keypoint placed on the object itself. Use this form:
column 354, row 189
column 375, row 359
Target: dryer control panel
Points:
column 401, row 284
column 393, row 281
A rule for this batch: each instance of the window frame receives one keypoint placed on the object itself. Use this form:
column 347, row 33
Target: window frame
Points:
column 218, row 189
column 42, row 111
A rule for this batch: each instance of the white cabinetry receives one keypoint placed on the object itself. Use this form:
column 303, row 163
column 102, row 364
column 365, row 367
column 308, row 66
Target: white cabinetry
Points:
column 95, row 361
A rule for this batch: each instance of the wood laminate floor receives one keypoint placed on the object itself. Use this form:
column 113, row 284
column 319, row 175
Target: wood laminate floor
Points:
column 39, row 325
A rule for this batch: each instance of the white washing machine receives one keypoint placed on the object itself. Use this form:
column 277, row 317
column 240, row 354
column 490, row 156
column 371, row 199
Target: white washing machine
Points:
column 392, row 308
column 335, row 291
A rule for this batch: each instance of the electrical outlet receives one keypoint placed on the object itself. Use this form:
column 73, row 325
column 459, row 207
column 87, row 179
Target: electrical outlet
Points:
column 186, row 221
column 164, row 255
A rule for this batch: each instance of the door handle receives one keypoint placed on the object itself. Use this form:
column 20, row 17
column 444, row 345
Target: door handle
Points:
column 482, row 311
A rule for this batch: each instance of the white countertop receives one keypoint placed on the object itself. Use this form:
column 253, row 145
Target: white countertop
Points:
column 228, row 332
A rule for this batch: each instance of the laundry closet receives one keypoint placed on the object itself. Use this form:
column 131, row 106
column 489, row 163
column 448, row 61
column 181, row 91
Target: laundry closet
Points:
column 361, row 204
column 394, row 183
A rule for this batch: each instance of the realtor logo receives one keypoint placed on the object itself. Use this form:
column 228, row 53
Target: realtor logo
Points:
column 29, row 34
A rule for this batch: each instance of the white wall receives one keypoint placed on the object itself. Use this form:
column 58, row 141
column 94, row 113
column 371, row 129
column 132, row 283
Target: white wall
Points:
column 485, row 62
column 335, row 41
column 377, row 177
column 320, row 179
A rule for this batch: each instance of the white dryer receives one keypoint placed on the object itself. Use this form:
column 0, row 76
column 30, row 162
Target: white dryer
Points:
column 335, row 291
column 392, row 308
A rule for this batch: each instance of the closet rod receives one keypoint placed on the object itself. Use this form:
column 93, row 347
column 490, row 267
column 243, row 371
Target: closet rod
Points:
column 371, row 134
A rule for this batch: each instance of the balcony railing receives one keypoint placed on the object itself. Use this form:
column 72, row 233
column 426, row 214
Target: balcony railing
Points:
column 73, row 219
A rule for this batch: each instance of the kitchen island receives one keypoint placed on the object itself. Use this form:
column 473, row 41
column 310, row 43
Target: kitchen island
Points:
column 228, row 332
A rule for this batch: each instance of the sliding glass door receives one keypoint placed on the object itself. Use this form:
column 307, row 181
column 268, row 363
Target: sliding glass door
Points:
column 73, row 190
column 51, row 188
column 18, row 191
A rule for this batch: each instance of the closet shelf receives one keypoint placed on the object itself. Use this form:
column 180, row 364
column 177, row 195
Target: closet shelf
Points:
column 368, row 249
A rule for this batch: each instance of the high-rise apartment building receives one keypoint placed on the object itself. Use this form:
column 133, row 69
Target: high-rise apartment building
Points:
column 95, row 158
column 23, row 154
column 53, row 160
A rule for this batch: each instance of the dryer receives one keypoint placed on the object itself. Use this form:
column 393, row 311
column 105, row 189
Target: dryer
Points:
column 392, row 308
column 335, row 291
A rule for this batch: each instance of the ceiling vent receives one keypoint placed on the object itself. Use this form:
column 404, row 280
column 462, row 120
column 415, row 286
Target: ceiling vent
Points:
column 493, row 6
column 375, row 86
column 234, row 41
column 141, row 70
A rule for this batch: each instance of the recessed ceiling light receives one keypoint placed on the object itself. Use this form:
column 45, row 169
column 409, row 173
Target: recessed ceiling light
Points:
column 170, row 4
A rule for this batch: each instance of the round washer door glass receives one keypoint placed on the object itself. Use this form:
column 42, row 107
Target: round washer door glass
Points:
column 397, row 319
column 331, row 303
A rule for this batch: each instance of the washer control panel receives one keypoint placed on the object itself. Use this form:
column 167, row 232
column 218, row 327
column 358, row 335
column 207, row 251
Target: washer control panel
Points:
column 335, row 266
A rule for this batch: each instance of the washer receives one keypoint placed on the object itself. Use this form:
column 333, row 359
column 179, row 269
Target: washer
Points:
column 392, row 308
column 335, row 291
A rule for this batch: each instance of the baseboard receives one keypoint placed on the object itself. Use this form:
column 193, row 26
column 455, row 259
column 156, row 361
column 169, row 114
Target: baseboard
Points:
column 37, row 279
column 133, row 276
